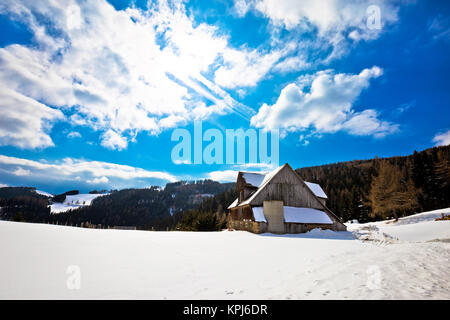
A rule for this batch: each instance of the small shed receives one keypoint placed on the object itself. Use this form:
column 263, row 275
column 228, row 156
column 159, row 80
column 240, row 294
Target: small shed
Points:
column 280, row 202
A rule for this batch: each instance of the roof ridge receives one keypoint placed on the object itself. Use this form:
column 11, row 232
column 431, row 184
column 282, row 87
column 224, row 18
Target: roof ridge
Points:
column 264, row 183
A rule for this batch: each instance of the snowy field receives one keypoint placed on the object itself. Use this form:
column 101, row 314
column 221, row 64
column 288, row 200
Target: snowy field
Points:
column 404, row 260
column 73, row 202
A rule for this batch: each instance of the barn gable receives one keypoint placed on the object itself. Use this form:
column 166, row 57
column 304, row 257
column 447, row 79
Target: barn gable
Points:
column 284, row 192
column 286, row 185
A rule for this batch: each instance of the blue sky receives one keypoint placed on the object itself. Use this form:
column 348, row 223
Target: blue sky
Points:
column 92, row 91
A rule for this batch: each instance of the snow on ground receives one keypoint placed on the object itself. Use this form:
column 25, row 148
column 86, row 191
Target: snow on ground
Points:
column 74, row 202
column 44, row 193
column 38, row 261
column 418, row 227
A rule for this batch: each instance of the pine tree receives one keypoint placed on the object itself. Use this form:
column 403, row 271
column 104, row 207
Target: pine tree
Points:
column 442, row 181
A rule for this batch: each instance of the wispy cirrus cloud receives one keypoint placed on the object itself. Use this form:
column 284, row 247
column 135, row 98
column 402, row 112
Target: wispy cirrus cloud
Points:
column 119, row 72
column 327, row 16
column 337, row 24
column 245, row 68
column 439, row 27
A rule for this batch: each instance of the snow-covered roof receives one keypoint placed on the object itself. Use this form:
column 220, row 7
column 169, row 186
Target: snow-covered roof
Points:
column 296, row 215
column 234, row 204
column 316, row 189
column 260, row 180
column 258, row 213
column 253, row 178
column 305, row 215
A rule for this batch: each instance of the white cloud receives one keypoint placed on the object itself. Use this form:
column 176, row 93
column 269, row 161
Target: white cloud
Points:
column 245, row 68
column 127, row 71
column 70, row 169
column 442, row 139
column 231, row 175
column 115, row 71
column 24, row 122
column 336, row 23
column 366, row 123
column 21, row 172
column 112, row 140
column 325, row 15
column 100, row 180
column 74, row 134
column 223, row 176
column 241, row 7
column 295, row 63
column 303, row 139
column 326, row 107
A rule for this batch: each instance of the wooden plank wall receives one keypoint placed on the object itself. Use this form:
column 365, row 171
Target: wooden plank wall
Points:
column 287, row 188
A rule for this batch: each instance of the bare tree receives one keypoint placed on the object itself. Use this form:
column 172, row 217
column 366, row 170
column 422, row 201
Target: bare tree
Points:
column 391, row 191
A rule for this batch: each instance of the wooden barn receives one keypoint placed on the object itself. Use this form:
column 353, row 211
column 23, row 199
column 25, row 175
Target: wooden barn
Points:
column 280, row 202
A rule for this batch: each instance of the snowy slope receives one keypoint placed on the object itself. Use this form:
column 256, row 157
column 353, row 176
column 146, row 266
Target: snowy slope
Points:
column 74, row 202
column 44, row 193
column 117, row 264
column 418, row 227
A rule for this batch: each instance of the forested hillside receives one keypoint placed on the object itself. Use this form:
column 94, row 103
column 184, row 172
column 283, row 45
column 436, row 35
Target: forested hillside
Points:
column 365, row 190
column 381, row 188
column 150, row 208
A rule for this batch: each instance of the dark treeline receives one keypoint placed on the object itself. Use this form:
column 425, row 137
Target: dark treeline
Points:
column 61, row 197
column 152, row 208
column 23, row 204
column 128, row 207
column 25, row 209
column 210, row 215
column 367, row 190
